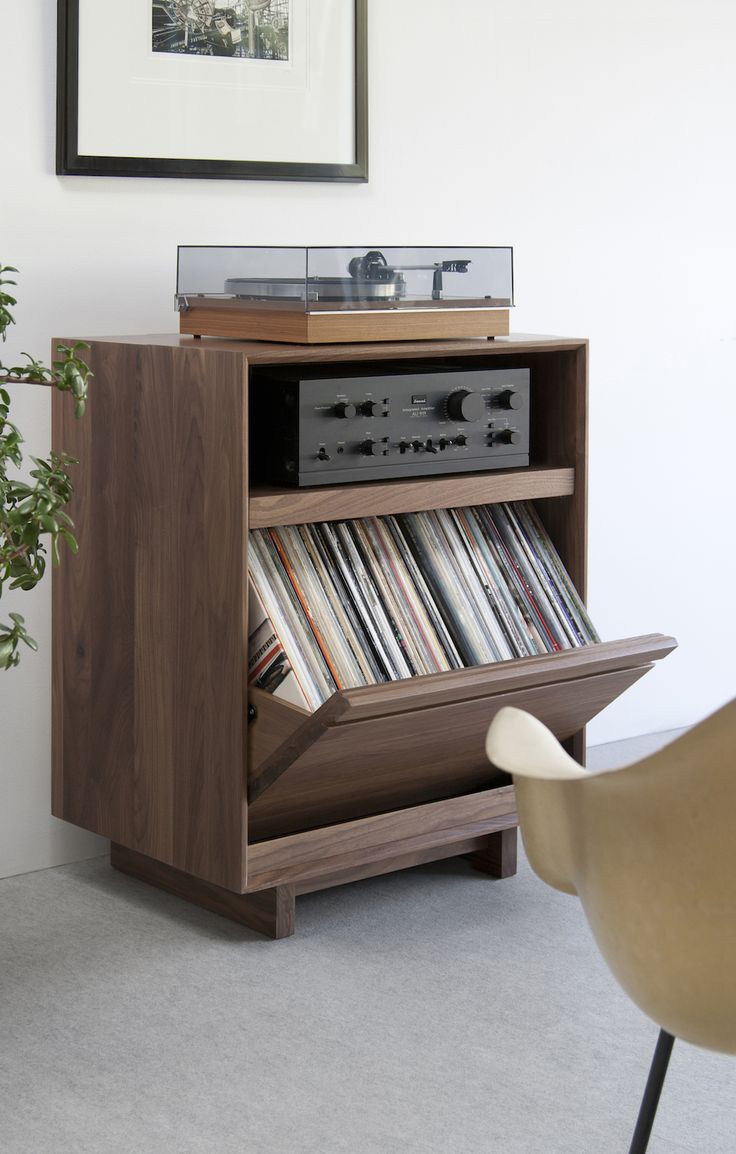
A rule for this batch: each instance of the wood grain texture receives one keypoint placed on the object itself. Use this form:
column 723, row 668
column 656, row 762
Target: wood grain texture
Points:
column 274, row 506
column 274, row 722
column 559, row 435
column 269, row 353
column 372, row 869
column 341, row 849
column 270, row 911
column 498, row 857
column 259, row 323
column 371, row 766
column 459, row 687
column 70, row 686
column 150, row 716
column 499, row 677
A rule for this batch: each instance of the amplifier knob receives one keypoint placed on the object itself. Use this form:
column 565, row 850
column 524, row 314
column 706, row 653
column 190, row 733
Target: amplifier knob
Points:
column 465, row 405
column 508, row 399
column 371, row 448
column 344, row 409
column 461, row 439
column 323, row 455
column 505, row 437
column 370, row 409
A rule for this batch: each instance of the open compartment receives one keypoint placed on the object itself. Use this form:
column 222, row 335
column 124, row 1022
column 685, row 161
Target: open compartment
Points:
column 401, row 743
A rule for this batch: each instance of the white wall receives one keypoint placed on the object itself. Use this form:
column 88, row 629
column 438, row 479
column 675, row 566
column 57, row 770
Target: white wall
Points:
column 598, row 140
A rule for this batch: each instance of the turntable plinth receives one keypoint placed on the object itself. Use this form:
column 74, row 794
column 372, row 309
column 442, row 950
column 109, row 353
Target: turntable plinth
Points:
column 269, row 322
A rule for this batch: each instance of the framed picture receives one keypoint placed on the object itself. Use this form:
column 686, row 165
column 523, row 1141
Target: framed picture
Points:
column 246, row 89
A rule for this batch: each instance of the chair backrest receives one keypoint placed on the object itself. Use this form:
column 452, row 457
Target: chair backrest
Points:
column 651, row 850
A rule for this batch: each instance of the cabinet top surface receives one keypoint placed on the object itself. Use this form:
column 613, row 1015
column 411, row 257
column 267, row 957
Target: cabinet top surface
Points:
column 263, row 352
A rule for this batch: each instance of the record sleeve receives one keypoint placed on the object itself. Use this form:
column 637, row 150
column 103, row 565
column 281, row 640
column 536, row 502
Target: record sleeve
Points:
column 428, row 644
column 259, row 568
column 282, row 605
column 495, row 589
column 389, row 589
column 426, row 597
column 269, row 667
column 336, row 590
column 553, row 563
column 477, row 593
column 376, row 614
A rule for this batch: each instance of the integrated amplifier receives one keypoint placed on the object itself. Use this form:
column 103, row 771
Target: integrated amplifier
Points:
column 320, row 430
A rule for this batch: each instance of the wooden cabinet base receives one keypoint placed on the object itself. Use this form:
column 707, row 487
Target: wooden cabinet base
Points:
column 498, row 857
column 270, row 912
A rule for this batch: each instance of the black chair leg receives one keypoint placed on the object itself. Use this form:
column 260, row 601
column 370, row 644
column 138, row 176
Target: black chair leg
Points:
column 653, row 1089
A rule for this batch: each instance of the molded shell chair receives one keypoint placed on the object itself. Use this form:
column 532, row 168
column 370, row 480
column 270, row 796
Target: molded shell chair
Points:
column 650, row 849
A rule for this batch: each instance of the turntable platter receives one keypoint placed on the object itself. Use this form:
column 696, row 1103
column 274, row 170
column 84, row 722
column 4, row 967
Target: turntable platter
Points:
column 316, row 288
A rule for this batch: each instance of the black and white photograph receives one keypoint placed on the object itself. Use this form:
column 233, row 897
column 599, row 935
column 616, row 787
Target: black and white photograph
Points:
column 246, row 89
column 245, row 29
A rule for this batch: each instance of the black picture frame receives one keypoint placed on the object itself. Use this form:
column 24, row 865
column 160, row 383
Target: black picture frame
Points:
column 69, row 161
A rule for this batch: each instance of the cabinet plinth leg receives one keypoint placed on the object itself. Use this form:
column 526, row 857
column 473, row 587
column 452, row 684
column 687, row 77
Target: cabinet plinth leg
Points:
column 499, row 857
column 270, row 912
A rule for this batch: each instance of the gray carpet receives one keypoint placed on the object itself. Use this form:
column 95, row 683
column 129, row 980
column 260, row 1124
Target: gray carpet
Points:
column 429, row 1012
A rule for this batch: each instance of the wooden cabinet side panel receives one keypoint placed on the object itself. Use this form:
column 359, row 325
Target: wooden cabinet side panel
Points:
column 559, row 437
column 150, row 617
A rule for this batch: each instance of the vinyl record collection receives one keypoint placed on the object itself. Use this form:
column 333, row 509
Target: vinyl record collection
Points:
column 340, row 604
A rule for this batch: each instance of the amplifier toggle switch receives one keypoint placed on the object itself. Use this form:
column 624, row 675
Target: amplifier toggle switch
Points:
column 323, row 455
column 444, row 442
column 417, row 446
column 429, row 446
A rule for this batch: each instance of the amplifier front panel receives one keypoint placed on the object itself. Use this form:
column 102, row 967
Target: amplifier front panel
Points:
column 359, row 428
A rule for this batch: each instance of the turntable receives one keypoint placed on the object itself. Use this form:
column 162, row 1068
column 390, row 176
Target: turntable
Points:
column 333, row 295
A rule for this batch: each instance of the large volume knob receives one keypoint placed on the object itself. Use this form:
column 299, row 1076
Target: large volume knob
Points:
column 464, row 405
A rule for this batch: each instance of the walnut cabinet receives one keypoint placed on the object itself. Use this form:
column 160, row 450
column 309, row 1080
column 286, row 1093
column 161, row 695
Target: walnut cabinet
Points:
column 242, row 805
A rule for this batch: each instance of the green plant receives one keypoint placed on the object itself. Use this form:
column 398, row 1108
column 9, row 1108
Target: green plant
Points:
column 32, row 512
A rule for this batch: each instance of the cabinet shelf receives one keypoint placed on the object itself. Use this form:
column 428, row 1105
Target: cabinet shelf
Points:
column 280, row 506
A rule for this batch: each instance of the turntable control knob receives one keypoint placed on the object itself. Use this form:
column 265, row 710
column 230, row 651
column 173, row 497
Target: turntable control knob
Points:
column 370, row 409
column 371, row 448
column 344, row 409
column 465, row 405
column 508, row 399
column 506, row 437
